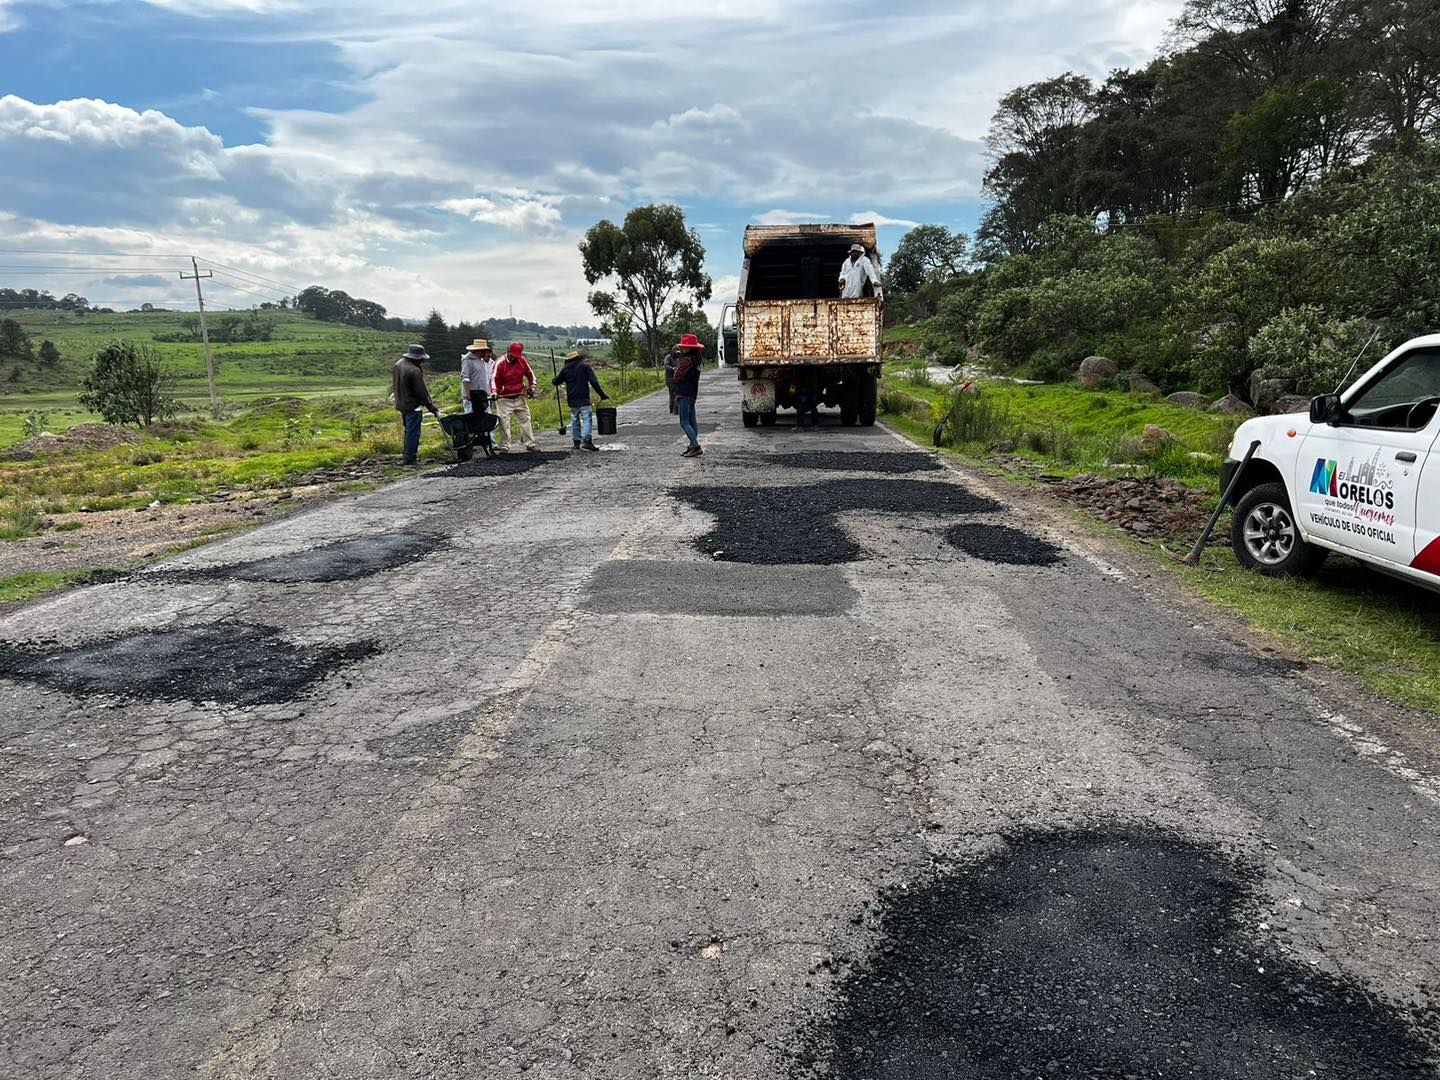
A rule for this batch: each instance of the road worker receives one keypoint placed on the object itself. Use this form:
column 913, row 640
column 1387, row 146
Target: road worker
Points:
column 855, row 271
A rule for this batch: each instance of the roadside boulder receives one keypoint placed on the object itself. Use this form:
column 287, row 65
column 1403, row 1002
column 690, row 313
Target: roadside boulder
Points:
column 1096, row 371
column 1291, row 403
column 1230, row 405
column 1188, row 399
column 1140, row 383
column 1155, row 438
column 1267, row 387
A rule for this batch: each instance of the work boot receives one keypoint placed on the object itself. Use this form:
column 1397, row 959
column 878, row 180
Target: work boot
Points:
column 590, row 445
column 577, row 445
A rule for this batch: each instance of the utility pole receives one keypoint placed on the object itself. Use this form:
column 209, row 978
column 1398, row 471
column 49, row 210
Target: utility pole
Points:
column 204, row 333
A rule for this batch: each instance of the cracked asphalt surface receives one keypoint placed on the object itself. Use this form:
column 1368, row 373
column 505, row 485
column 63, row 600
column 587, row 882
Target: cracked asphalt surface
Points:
column 583, row 800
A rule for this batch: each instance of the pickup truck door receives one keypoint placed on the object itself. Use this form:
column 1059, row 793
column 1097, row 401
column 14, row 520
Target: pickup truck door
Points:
column 1427, row 515
column 1357, row 481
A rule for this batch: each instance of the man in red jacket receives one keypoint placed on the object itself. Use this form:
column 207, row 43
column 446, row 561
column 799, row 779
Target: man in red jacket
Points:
column 514, row 382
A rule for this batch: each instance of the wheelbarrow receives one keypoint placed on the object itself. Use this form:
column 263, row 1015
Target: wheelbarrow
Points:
column 463, row 432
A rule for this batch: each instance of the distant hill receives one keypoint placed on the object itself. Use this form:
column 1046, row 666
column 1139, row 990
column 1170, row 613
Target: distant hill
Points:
column 300, row 351
column 523, row 329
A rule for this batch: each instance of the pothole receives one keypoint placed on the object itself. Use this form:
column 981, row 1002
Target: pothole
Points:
column 233, row 663
column 838, row 461
column 1002, row 544
column 1119, row 953
column 1246, row 665
column 511, row 464
column 347, row 560
column 797, row 525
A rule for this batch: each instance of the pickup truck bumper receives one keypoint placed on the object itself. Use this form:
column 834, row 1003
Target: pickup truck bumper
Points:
column 1227, row 474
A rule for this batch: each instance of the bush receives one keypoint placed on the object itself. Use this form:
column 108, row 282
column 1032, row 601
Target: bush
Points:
column 973, row 418
column 19, row 520
column 128, row 384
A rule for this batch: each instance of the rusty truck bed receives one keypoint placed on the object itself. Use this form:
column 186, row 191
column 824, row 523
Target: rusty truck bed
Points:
column 809, row 331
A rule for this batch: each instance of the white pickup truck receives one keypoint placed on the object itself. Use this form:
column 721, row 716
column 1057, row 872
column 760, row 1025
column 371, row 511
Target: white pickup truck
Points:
column 1360, row 475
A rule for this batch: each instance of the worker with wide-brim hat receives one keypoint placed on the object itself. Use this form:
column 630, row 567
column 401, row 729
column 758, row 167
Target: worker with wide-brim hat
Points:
column 412, row 398
column 687, row 389
column 477, row 364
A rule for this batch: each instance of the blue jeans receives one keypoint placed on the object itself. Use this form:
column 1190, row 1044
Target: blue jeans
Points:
column 687, row 421
column 412, row 436
column 580, row 417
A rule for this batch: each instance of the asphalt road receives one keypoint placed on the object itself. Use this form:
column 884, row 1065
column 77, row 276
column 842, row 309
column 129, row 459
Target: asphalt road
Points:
column 566, row 773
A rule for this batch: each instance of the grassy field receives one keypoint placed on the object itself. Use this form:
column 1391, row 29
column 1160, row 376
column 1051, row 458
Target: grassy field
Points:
column 1384, row 634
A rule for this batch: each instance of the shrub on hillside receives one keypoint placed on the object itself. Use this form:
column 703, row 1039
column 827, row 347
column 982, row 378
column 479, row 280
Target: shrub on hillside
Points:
column 128, row 384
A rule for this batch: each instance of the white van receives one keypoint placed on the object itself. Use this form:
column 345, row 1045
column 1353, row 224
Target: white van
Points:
column 1360, row 475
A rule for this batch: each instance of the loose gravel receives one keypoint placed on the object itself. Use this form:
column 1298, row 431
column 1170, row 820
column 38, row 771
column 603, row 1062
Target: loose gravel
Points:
column 839, row 461
column 1002, row 544
column 797, row 525
column 1116, row 954
column 233, row 663
column 511, row 464
column 347, row 560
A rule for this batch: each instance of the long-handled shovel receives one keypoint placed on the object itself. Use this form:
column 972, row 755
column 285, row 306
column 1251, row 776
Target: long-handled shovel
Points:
column 559, row 412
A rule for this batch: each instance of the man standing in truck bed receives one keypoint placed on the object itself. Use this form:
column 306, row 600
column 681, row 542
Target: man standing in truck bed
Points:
column 855, row 271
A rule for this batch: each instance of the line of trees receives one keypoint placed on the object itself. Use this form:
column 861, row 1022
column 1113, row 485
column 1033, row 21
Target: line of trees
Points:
column 446, row 343
column 43, row 300
column 1263, row 196
column 334, row 305
column 17, row 347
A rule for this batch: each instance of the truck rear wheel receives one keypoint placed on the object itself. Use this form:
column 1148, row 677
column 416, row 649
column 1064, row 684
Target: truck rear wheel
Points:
column 849, row 405
column 768, row 418
column 869, row 394
column 1266, row 538
column 750, row 419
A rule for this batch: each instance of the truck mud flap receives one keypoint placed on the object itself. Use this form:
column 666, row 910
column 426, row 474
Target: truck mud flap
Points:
column 757, row 395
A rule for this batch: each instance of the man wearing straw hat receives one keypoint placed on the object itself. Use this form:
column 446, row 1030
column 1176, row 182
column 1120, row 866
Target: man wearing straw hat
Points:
column 475, row 368
column 412, row 398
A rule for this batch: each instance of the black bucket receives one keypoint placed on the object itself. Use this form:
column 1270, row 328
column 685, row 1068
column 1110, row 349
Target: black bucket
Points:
column 605, row 422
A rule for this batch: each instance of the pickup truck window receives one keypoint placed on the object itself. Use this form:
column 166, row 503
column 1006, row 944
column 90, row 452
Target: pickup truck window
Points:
column 1403, row 398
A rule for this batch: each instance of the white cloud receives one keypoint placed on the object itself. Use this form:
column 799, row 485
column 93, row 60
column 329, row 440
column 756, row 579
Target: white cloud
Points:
column 882, row 219
column 518, row 214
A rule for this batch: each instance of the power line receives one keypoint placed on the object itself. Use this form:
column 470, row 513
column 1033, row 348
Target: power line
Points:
column 258, row 277
column 22, row 268
column 220, row 283
column 108, row 254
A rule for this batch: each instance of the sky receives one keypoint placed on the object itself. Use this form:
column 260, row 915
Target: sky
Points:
column 451, row 154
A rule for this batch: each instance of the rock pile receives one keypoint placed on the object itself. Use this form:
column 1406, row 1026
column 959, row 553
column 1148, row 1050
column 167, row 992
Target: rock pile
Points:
column 80, row 437
column 1147, row 507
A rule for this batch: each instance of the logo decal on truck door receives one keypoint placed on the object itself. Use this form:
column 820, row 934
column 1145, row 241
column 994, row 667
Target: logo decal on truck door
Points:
column 1323, row 482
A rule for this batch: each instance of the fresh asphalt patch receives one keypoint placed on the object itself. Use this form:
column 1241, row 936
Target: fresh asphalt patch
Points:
column 634, row 586
column 511, row 464
column 347, row 560
column 1002, row 544
column 798, row 524
column 1124, row 953
column 1246, row 665
column 232, row 663
column 878, row 461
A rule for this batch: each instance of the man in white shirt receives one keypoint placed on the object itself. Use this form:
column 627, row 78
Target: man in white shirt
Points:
column 855, row 271
column 476, row 368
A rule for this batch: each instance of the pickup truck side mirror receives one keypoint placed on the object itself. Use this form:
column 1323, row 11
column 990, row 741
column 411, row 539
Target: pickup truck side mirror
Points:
column 1325, row 409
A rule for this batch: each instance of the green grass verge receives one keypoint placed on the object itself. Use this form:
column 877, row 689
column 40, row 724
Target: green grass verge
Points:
column 1384, row 634
column 29, row 586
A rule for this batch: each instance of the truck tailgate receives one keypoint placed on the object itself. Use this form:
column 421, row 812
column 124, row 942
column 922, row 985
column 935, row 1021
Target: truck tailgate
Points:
column 809, row 331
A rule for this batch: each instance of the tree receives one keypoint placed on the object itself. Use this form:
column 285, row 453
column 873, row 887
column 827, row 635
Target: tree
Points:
column 928, row 253
column 621, row 331
column 645, row 263
column 49, row 354
column 436, row 339
column 128, row 384
column 14, row 342
column 685, row 318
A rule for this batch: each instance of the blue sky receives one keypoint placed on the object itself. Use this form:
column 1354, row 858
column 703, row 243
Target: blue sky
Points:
column 454, row 156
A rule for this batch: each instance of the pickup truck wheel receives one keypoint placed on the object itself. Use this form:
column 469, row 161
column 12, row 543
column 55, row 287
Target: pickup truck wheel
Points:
column 1266, row 538
column 750, row 419
column 869, row 392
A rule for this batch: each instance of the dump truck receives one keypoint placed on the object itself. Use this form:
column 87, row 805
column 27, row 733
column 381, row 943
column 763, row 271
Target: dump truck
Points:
column 792, row 328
